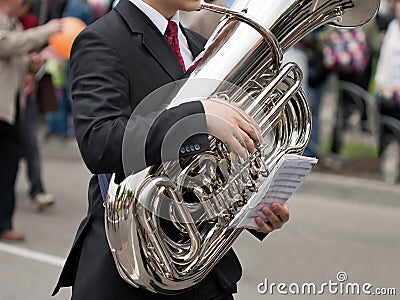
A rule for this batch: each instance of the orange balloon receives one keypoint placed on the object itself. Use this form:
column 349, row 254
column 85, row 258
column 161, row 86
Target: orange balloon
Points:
column 62, row 41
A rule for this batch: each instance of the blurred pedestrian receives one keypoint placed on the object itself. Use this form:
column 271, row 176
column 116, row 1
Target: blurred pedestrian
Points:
column 59, row 123
column 388, row 98
column 316, row 78
column 388, row 70
column 30, row 121
column 348, row 54
column 14, row 63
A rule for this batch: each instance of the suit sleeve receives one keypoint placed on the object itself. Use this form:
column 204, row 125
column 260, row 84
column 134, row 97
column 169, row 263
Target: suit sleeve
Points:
column 103, row 113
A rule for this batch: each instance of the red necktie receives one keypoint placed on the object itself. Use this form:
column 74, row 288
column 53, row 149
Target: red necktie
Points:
column 172, row 37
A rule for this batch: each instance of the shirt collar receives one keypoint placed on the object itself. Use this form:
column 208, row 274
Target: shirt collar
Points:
column 158, row 19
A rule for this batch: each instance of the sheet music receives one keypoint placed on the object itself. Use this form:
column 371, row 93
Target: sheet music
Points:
column 278, row 187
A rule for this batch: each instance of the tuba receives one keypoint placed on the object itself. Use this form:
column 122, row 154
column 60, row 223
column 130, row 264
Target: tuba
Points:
column 198, row 197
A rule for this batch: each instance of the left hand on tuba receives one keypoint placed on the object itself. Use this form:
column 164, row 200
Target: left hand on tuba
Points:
column 277, row 217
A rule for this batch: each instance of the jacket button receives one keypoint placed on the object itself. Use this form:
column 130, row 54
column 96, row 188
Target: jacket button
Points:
column 182, row 150
column 187, row 148
column 191, row 148
column 197, row 147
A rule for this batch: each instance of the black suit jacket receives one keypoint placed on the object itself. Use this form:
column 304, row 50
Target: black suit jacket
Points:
column 115, row 63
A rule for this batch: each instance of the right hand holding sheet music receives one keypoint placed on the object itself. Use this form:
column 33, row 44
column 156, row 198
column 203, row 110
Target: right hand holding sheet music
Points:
column 277, row 216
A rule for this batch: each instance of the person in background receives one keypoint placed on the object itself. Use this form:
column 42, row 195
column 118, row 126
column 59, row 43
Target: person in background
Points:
column 354, row 50
column 29, row 124
column 388, row 70
column 14, row 64
column 316, row 78
column 59, row 123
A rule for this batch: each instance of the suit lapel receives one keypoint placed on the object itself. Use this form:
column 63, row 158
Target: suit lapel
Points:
column 158, row 46
column 152, row 39
column 195, row 45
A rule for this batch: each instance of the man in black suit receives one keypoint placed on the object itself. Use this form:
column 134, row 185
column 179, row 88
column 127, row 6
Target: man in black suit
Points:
column 115, row 63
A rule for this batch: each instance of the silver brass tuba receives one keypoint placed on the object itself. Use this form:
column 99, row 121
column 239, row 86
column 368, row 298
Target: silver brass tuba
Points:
column 202, row 194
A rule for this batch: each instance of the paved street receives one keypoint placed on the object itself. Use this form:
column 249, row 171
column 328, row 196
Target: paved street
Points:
column 338, row 224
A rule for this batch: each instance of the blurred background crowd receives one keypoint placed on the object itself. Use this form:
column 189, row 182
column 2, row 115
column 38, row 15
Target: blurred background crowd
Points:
column 35, row 90
column 357, row 70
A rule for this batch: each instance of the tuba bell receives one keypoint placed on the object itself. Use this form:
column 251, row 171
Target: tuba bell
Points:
column 202, row 194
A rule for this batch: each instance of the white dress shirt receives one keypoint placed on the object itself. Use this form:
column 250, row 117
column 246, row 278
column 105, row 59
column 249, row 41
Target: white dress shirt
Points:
column 161, row 23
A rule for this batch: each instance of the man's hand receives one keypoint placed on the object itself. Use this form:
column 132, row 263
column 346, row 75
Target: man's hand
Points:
column 54, row 25
column 277, row 217
column 232, row 125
